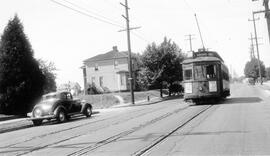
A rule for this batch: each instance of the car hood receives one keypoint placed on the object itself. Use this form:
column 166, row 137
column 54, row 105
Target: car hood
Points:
column 47, row 102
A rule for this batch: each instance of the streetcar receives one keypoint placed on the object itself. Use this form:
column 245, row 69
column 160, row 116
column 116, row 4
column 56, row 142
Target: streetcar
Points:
column 205, row 77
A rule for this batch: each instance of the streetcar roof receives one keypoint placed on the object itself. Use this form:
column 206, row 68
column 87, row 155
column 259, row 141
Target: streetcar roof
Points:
column 203, row 56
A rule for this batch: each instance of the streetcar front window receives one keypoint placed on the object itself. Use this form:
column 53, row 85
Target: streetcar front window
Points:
column 210, row 71
column 205, row 72
column 188, row 74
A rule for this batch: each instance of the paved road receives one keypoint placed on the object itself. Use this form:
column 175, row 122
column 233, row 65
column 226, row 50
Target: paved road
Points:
column 237, row 126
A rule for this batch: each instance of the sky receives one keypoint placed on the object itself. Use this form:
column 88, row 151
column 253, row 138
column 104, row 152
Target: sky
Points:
column 66, row 37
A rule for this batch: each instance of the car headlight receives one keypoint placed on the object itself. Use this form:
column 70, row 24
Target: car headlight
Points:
column 37, row 112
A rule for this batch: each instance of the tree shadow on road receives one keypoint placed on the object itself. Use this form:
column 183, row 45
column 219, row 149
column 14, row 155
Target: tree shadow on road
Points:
column 233, row 100
column 241, row 100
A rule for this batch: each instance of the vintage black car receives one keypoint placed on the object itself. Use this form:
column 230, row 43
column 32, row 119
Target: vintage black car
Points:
column 60, row 106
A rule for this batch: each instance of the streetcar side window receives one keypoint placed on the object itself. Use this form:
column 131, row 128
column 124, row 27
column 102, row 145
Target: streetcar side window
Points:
column 210, row 71
column 188, row 74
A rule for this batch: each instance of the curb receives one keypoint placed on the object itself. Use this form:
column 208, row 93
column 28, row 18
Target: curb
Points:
column 9, row 118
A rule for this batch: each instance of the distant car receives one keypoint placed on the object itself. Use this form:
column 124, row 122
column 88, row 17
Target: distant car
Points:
column 60, row 106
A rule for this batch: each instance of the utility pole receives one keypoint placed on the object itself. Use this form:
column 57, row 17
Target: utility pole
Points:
column 252, row 55
column 129, row 51
column 267, row 15
column 257, row 46
column 190, row 40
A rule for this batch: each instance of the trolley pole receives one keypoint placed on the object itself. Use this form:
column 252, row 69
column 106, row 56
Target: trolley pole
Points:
column 129, row 51
column 257, row 46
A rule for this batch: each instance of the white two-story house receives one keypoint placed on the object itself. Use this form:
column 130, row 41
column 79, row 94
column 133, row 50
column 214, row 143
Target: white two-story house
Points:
column 108, row 70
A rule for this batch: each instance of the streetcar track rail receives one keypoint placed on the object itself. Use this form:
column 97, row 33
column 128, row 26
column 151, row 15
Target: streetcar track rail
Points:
column 163, row 137
column 123, row 134
column 63, row 130
column 66, row 139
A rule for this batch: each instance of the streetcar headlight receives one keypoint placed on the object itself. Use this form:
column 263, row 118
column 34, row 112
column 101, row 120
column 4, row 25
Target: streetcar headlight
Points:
column 212, row 86
column 188, row 87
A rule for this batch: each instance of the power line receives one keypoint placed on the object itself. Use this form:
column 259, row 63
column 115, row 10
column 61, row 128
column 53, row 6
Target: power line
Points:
column 82, row 8
column 96, row 18
column 85, row 14
column 140, row 37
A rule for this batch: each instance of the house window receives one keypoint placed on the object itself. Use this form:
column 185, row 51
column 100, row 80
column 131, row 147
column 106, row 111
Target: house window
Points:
column 101, row 81
column 122, row 79
column 93, row 80
column 96, row 67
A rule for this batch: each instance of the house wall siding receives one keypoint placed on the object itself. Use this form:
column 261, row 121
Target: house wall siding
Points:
column 108, row 71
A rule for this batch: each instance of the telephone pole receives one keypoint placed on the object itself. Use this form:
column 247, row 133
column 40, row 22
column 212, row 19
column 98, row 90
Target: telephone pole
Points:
column 190, row 40
column 129, row 51
column 252, row 55
column 257, row 46
column 267, row 15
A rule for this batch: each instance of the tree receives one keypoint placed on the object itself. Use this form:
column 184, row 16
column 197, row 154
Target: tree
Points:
column 252, row 69
column 162, row 63
column 73, row 87
column 267, row 73
column 21, row 80
column 48, row 70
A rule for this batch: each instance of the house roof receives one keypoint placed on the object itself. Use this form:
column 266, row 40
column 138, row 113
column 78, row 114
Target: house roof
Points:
column 109, row 55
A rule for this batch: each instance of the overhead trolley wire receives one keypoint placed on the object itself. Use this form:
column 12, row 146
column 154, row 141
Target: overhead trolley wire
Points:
column 91, row 12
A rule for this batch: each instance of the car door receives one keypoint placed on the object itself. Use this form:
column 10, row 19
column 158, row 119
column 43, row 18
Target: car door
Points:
column 76, row 104
column 70, row 103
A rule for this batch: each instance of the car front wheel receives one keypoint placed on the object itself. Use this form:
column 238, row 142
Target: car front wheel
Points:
column 61, row 117
column 37, row 122
column 88, row 111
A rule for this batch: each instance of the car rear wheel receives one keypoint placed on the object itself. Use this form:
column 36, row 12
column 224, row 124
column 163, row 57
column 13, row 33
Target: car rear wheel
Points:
column 88, row 111
column 37, row 122
column 62, row 116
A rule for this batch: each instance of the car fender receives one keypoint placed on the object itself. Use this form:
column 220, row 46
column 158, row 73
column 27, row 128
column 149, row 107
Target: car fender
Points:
column 58, row 108
column 84, row 104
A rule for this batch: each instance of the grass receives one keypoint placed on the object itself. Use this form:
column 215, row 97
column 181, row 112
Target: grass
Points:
column 108, row 100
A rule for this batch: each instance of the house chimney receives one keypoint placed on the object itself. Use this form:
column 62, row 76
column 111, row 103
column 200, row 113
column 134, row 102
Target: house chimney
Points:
column 115, row 48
